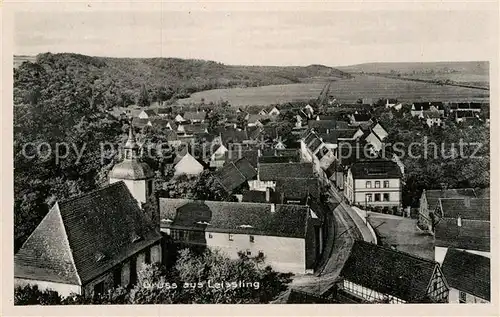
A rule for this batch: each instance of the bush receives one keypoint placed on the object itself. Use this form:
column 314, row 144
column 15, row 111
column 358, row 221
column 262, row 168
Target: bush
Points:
column 31, row 295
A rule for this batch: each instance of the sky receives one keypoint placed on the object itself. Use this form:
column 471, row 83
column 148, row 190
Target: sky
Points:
column 332, row 38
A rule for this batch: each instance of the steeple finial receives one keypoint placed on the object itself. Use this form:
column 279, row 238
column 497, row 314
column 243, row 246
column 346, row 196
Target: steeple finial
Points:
column 131, row 142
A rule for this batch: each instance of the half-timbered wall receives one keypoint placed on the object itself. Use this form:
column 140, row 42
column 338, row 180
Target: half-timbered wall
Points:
column 368, row 294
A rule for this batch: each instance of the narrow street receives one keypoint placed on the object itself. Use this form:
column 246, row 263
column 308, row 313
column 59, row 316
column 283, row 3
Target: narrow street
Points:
column 344, row 230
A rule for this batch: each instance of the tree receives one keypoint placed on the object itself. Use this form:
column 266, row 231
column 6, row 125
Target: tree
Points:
column 143, row 100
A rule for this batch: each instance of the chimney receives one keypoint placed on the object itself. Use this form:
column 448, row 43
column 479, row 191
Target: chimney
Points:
column 467, row 202
column 459, row 221
column 268, row 194
column 273, row 208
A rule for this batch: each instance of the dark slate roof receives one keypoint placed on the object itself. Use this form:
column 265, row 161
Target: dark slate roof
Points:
column 345, row 133
column 362, row 117
column 139, row 123
column 376, row 168
column 298, row 188
column 231, row 135
column 388, row 271
column 79, row 230
column 163, row 110
column 272, row 172
column 482, row 192
column 279, row 159
column 235, row 217
column 150, row 112
column 472, row 235
column 230, row 177
column 433, row 195
column 246, row 168
column 468, row 272
column 194, row 115
column 235, row 154
column 195, row 128
column 466, row 208
column 426, row 105
column 330, row 137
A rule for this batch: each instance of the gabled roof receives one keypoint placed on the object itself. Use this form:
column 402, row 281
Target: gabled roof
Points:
column 235, row 154
column 230, row 177
column 231, row 135
column 330, row 137
column 323, row 126
column 432, row 195
column 279, row 159
column 275, row 171
column 298, row 188
column 163, row 110
column 194, row 115
column 471, row 235
column 246, row 168
column 195, row 128
column 234, row 174
column 468, row 272
column 376, row 168
column 149, row 112
column 139, row 123
column 389, row 271
column 362, row 117
column 345, row 133
column 466, row 208
column 419, row 106
column 235, row 217
column 94, row 231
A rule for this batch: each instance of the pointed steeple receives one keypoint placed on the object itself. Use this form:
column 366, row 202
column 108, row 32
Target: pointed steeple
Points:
column 131, row 147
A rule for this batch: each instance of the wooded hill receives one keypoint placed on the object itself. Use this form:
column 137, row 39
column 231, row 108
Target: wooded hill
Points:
column 166, row 78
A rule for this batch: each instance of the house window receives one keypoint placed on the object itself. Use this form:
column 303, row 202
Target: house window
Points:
column 147, row 256
column 462, row 297
column 377, row 197
column 230, row 236
column 181, row 235
column 368, row 197
column 368, row 184
column 99, row 289
column 386, row 197
column 435, row 286
column 386, row 184
column 252, row 239
column 377, row 184
column 210, row 236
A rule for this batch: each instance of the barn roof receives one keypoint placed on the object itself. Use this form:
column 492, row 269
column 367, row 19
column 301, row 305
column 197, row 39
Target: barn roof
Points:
column 83, row 237
column 388, row 271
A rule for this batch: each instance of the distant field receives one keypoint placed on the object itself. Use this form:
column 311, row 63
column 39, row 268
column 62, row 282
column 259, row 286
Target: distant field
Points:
column 264, row 95
column 365, row 86
column 473, row 73
column 344, row 90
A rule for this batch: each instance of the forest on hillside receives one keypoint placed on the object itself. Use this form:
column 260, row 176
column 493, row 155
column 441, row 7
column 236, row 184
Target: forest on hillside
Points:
column 120, row 80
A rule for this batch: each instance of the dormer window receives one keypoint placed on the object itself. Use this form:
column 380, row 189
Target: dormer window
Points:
column 99, row 256
column 136, row 237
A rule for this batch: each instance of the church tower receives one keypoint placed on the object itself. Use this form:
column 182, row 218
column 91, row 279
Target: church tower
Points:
column 137, row 175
